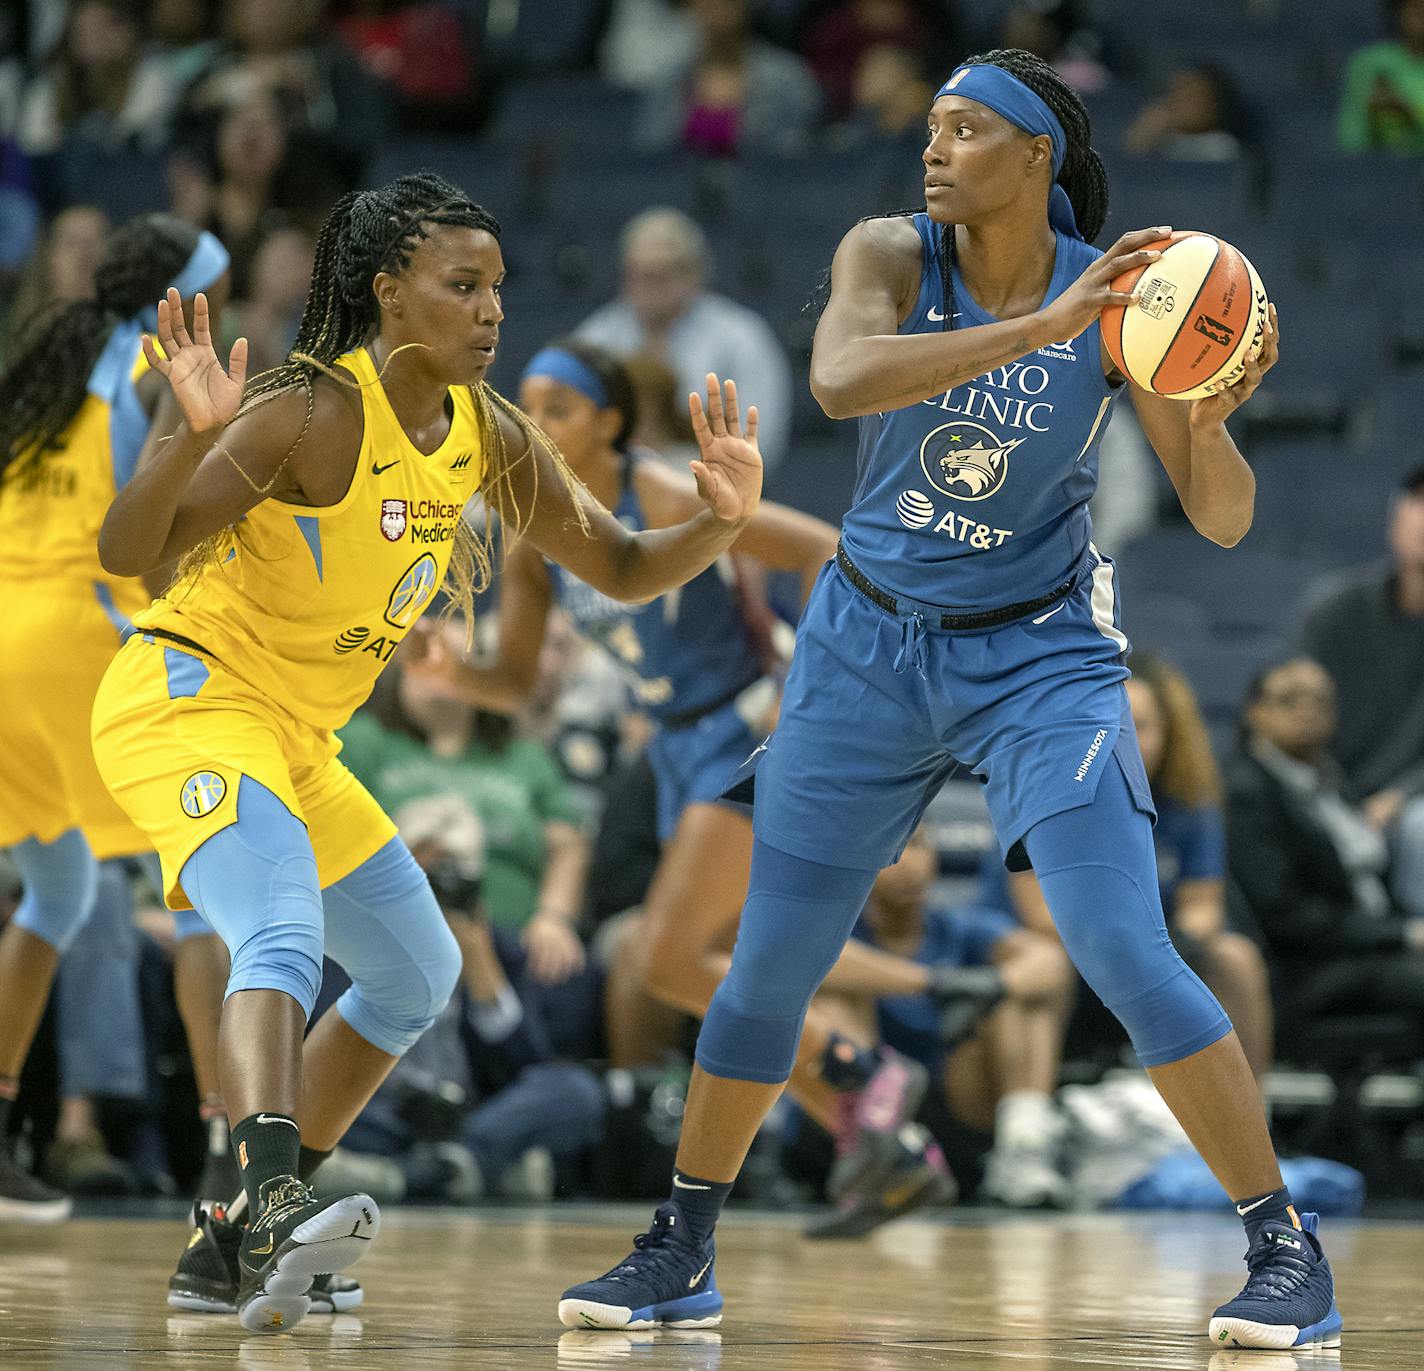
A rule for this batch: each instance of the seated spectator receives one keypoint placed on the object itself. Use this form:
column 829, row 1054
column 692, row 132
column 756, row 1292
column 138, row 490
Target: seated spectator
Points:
column 279, row 280
column 1056, row 31
column 61, row 269
column 1198, row 119
column 1382, row 104
column 483, row 1103
column 420, row 50
column 97, row 86
column 888, row 99
column 184, row 35
column 1375, row 616
column 1001, row 1076
column 1310, row 864
column 413, row 742
column 254, row 178
column 737, row 93
column 277, row 46
column 644, row 40
column 1191, row 859
column 842, row 41
column 667, row 311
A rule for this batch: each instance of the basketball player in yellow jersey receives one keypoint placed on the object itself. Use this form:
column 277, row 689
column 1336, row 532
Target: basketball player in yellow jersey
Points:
column 316, row 516
column 75, row 408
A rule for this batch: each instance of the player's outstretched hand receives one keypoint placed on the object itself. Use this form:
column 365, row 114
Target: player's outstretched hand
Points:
column 729, row 472
column 207, row 395
column 1213, row 409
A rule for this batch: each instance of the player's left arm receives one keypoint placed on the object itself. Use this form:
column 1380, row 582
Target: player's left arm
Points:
column 1213, row 481
column 777, row 536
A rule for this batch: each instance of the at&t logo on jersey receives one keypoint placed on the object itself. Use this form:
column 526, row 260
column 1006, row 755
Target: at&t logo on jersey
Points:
column 966, row 460
column 349, row 639
column 393, row 520
column 202, row 793
column 915, row 510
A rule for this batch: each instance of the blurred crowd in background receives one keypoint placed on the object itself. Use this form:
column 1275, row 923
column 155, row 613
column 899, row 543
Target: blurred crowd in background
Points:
column 1291, row 795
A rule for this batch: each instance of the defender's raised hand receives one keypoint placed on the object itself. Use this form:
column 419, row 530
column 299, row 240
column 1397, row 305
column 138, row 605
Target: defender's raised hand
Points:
column 207, row 395
column 729, row 472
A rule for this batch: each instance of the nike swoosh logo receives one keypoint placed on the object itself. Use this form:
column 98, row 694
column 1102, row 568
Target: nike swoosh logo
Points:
column 376, row 470
column 276, row 1118
column 261, row 1251
column 683, row 1185
column 1250, row 1207
column 937, row 318
column 1042, row 618
column 700, row 1274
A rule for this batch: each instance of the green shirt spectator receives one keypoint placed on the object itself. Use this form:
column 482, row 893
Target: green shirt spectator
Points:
column 1382, row 107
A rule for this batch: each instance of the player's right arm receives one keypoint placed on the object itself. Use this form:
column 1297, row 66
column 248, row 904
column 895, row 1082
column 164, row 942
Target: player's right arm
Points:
column 216, row 467
column 504, row 684
column 860, row 364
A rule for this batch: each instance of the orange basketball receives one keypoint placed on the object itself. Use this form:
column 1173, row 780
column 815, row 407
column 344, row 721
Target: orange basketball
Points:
column 1200, row 311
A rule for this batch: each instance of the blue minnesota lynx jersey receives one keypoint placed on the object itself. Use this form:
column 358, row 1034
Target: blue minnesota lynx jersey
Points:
column 682, row 652
column 978, row 498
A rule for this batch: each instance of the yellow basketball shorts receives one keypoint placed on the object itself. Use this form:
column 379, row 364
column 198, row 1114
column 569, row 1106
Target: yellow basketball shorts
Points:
column 56, row 641
column 174, row 732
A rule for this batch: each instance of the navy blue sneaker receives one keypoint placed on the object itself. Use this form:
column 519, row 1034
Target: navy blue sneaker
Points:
column 1289, row 1299
column 667, row 1280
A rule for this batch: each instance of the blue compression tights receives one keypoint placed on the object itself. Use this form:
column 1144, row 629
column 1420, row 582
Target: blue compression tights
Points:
column 255, row 883
column 1099, row 876
column 60, row 882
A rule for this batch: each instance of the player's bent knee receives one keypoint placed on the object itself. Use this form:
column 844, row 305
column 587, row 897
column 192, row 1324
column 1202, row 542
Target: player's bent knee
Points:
column 392, row 1011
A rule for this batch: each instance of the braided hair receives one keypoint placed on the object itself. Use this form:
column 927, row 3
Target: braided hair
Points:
column 365, row 233
column 1082, row 175
column 44, row 387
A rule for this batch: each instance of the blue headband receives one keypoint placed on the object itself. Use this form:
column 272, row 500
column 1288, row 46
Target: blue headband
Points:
column 568, row 370
column 205, row 264
column 1006, row 95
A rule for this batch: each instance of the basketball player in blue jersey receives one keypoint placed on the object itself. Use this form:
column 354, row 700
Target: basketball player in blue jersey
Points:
column 695, row 664
column 967, row 615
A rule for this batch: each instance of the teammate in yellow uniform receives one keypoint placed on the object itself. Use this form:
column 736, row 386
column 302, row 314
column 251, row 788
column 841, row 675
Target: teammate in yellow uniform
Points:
column 317, row 516
column 75, row 409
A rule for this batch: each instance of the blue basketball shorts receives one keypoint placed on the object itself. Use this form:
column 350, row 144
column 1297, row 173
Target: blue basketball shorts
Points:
column 879, row 709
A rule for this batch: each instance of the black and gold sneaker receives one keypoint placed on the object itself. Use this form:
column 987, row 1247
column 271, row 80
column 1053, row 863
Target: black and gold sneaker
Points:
column 295, row 1237
column 207, row 1275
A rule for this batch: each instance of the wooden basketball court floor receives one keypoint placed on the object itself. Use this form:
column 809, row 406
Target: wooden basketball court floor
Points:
column 478, row 1290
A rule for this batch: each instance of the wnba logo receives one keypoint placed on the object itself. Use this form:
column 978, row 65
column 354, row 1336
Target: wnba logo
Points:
column 412, row 593
column 202, row 793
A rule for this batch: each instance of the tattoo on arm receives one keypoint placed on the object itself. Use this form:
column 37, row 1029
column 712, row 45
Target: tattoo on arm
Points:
column 945, row 380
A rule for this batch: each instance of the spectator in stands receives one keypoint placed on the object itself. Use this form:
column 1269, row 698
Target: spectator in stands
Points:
column 737, row 93
column 242, row 185
column 61, row 269
column 184, row 36
column 98, row 87
column 276, row 45
column 644, row 40
column 1367, row 630
column 486, row 1080
column 1382, row 104
column 1191, row 858
column 421, row 50
column 888, row 99
column 1310, row 864
column 844, row 38
column 667, row 311
column 1056, row 31
column 413, row 743
column 1198, row 119
column 1000, row 1079
column 280, row 277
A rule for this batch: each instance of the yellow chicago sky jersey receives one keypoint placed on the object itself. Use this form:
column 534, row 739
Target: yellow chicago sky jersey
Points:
column 51, row 509
column 307, row 605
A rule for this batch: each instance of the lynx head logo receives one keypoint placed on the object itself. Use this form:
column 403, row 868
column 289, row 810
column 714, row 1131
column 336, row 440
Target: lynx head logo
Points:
column 965, row 460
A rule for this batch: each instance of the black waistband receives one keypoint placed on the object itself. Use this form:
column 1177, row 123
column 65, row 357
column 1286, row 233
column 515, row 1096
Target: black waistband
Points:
column 675, row 721
column 177, row 638
column 989, row 618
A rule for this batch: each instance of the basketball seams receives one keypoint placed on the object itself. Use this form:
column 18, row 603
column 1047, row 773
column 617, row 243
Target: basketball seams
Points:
column 1166, row 358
